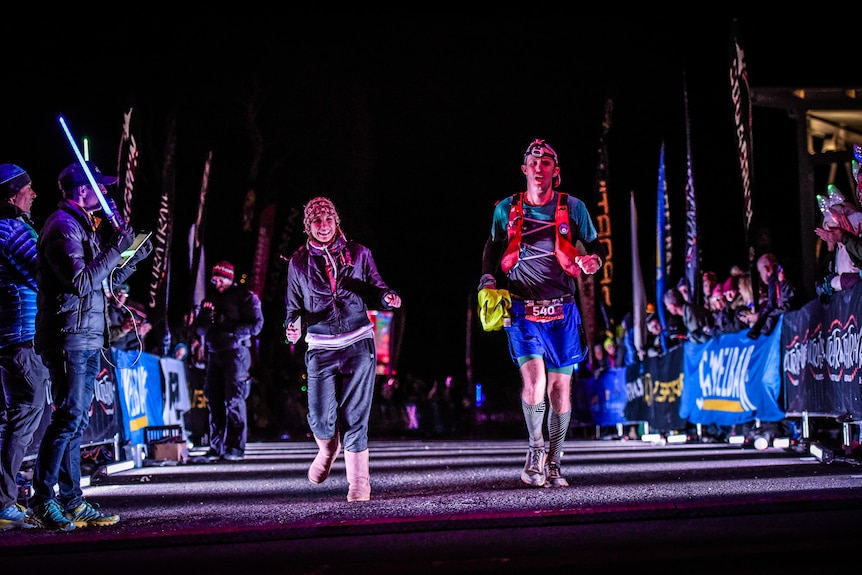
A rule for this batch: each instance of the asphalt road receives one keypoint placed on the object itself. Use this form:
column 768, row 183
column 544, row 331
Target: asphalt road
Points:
column 459, row 507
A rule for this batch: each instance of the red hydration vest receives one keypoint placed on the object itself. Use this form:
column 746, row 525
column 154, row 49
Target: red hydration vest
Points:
column 564, row 245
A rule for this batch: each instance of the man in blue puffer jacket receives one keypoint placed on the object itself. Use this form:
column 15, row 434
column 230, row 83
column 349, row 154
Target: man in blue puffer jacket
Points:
column 25, row 378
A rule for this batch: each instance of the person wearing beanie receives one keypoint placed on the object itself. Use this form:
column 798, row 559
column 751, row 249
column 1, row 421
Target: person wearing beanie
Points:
column 229, row 318
column 332, row 282
column 13, row 179
column 533, row 239
column 75, row 256
column 24, row 377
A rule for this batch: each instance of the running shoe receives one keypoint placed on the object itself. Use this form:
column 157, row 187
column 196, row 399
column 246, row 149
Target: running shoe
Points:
column 87, row 514
column 553, row 475
column 212, row 456
column 534, row 468
column 15, row 517
column 50, row 516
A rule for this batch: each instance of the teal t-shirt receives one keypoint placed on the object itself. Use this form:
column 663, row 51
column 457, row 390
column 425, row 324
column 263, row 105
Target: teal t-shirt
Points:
column 538, row 274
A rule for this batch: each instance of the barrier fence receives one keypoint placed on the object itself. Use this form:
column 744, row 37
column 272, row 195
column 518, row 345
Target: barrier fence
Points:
column 809, row 366
column 133, row 391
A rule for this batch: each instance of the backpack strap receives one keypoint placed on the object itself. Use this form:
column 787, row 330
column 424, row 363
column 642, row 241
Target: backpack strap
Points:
column 513, row 233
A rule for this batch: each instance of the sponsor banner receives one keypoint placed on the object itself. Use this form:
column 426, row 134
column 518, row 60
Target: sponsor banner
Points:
column 139, row 383
column 820, row 357
column 175, row 392
column 733, row 379
column 662, row 390
column 607, row 397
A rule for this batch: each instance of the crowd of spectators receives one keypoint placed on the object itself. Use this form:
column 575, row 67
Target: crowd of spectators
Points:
column 731, row 304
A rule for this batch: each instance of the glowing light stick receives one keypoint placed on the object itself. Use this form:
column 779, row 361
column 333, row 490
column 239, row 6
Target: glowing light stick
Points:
column 109, row 213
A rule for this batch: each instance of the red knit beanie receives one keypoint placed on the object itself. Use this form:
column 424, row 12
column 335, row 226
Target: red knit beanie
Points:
column 223, row 269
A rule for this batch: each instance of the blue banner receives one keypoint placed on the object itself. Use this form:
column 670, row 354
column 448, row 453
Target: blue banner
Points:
column 607, row 397
column 733, row 379
column 139, row 382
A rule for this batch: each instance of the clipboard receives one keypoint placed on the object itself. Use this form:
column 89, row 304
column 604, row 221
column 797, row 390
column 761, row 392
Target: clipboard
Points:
column 129, row 252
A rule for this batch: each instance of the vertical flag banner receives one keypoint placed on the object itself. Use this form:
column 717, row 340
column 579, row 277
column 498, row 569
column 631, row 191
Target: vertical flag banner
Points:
column 740, row 94
column 596, row 311
column 663, row 253
column 692, row 247
column 129, row 151
column 265, row 225
column 638, row 291
column 197, row 260
column 603, row 217
column 159, row 294
column 198, row 273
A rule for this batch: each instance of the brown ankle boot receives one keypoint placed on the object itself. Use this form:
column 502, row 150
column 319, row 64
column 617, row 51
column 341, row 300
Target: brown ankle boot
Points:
column 358, row 476
column 327, row 452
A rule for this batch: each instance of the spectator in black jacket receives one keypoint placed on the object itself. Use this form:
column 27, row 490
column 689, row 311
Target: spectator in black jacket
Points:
column 724, row 317
column 72, row 332
column 780, row 296
column 229, row 318
column 698, row 321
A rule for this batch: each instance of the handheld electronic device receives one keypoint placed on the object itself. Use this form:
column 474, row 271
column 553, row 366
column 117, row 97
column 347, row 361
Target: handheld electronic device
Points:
column 129, row 252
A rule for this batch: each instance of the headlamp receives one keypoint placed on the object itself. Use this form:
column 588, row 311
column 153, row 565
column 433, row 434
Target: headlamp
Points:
column 540, row 149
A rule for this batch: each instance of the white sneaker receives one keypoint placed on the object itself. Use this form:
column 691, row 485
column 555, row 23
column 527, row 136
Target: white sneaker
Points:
column 534, row 468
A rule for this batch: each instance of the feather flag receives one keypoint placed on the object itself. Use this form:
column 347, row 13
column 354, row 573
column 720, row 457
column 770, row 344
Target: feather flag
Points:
column 159, row 294
column 740, row 94
column 639, row 300
column 603, row 220
column 663, row 246
column 129, row 149
column 692, row 247
column 198, row 273
column 265, row 225
column 596, row 310
column 197, row 259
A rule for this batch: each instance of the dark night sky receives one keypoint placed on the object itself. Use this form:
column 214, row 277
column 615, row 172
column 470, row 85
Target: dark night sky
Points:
column 415, row 128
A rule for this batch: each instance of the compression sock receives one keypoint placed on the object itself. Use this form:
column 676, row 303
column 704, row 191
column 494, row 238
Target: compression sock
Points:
column 534, row 415
column 558, row 426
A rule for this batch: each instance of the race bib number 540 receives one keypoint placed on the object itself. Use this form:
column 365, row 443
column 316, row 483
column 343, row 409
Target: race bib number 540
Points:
column 543, row 310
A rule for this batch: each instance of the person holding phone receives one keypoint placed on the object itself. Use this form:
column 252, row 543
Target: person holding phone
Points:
column 74, row 260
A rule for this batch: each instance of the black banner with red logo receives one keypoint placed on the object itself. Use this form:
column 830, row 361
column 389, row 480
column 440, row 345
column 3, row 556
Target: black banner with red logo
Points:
column 821, row 366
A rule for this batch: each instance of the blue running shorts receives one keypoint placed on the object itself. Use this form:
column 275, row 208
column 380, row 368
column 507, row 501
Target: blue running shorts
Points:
column 560, row 342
